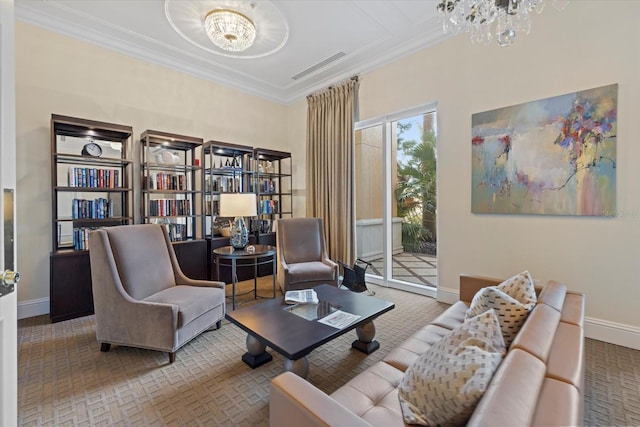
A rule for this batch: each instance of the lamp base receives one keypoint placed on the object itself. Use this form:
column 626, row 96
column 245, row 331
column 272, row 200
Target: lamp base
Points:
column 239, row 233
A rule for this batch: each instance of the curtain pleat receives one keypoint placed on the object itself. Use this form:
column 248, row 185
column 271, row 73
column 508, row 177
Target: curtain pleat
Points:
column 330, row 159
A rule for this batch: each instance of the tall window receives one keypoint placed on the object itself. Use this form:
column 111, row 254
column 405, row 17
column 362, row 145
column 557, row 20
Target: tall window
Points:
column 396, row 208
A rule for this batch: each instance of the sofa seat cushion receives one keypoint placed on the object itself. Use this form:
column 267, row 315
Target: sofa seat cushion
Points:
column 192, row 301
column 408, row 351
column 453, row 317
column 310, row 272
column 445, row 383
column 373, row 395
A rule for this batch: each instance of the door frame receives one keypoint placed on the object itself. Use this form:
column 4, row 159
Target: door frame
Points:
column 387, row 279
column 8, row 303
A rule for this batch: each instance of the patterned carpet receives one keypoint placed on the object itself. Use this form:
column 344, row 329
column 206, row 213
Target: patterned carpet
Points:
column 65, row 380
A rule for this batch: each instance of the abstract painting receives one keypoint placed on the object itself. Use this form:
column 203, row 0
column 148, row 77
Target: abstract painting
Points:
column 555, row 156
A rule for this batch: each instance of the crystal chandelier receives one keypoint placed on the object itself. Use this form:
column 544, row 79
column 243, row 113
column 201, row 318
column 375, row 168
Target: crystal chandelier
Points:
column 485, row 19
column 230, row 30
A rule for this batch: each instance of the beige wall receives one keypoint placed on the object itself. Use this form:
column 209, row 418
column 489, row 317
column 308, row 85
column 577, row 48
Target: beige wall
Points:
column 58, row 74
column 297, row 146
column 589, row 44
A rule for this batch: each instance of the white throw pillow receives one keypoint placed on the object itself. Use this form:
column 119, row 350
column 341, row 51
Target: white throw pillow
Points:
column 512, row 300
column 522, row 288
column 444, row 385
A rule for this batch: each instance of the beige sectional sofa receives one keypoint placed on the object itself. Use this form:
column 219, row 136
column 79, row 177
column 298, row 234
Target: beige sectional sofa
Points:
column 540, row 382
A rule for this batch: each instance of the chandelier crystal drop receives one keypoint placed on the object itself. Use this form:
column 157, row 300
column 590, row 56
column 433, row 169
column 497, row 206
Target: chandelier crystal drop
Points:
column 486, row 19
column 230, row 30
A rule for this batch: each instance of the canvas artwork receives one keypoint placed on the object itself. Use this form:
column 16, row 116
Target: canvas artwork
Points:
column 555, row 156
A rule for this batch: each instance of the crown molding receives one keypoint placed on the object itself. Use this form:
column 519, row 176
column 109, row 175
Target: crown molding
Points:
column 34, row 17
column 204, row 68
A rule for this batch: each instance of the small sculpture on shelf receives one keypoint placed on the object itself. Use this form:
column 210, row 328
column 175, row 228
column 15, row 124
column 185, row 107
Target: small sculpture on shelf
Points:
column 269, row 167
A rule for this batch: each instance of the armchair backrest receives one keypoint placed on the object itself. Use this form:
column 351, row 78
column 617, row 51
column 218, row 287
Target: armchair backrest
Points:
column 301, row 239
column 142, row 257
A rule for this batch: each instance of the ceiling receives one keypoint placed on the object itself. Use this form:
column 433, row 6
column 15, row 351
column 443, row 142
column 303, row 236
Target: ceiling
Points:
column 329, row 40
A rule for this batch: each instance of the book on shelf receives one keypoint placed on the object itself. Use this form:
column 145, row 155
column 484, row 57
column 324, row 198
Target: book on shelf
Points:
column 303, row 296
column 92, row 177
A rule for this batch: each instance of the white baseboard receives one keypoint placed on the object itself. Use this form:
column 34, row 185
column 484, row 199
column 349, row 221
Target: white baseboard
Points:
column 34, row 307
column 612, row 332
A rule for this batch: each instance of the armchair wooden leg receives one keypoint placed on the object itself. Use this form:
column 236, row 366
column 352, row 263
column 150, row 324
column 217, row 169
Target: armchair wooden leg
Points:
column 172, row 357
column 219, row 324
column 105, row 346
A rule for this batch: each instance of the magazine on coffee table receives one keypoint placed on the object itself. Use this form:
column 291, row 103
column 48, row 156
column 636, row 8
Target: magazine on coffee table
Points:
column 339, row 319
column 303, row 296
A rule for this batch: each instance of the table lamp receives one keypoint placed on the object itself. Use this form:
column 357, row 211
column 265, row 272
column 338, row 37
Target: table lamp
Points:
column 238, row 205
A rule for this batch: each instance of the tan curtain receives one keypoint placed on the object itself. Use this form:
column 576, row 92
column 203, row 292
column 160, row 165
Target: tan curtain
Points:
column 330, row 158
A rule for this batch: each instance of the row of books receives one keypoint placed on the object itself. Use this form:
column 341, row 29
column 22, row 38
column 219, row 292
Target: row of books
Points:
column 269, row 207
column 177, row 232
column 93, row 178
column 268, row 186
column 97, row 208
column 225, row 184
column 261, row 225
column 81, row 237
column 169, row 207
column 167, row 181
column 215, row 204
column 266, row 207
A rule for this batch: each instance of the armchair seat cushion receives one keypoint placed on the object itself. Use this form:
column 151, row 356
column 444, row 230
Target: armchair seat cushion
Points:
column 311, row 271
column 192, row 301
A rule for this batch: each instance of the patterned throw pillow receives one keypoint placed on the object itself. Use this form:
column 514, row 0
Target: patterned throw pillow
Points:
column 512, row 300
column 444, row 385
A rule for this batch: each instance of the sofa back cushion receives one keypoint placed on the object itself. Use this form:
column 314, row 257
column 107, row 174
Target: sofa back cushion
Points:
column 510, row 399
column 537, row 334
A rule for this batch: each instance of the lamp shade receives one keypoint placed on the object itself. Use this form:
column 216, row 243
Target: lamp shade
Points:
column 238, row 204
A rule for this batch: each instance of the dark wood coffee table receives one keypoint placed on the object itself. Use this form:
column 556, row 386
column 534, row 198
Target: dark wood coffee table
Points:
column 269, row 324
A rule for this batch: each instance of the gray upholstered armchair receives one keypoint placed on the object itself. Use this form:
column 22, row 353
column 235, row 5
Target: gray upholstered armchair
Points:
column 303, row 261
column 140, row 295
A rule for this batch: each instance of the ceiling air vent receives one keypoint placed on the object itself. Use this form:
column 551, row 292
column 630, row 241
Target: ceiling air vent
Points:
column 318, row 65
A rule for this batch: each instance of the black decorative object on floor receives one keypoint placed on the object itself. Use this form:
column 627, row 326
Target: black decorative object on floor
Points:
column 353, row 277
